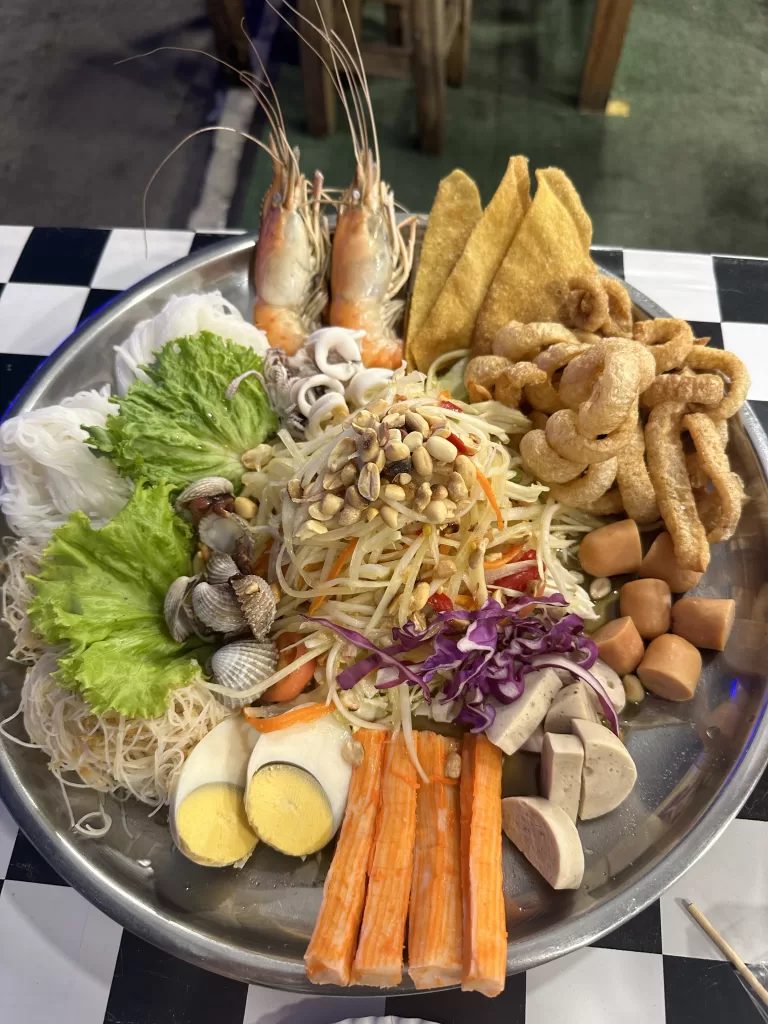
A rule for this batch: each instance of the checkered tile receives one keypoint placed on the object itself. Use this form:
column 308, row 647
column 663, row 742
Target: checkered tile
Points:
column 63, row 960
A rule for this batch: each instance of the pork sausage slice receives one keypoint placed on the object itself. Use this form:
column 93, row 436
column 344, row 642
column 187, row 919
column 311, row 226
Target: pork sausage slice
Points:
column 670, row 668
column 648, row 603
column 546, row 837
column 619, row 645
column 609, row 772
column 562, row 761
column 704, row 621
column 660, row 564
column 612, row 550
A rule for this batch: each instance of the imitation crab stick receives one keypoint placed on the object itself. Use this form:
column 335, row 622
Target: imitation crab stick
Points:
column 434, row 927
column 379, row 957
column 332, row 947
column 485, row 934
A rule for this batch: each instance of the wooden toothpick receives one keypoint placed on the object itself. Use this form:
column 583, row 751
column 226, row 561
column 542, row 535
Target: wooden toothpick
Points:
column 728, row 951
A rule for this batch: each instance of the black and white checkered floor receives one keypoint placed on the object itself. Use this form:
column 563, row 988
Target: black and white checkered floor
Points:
column 62, row 960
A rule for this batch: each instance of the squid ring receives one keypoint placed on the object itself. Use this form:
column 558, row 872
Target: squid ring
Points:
column 544, row 463
column 585, row 491
column 669, row 340
column 564, row 437
column 518, row 341
column 714, row 463
column 732, row 367
column 512, row 380
column 586, row 305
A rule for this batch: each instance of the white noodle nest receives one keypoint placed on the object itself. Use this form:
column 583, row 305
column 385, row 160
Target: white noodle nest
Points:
column 48, row 471
column 182, row 315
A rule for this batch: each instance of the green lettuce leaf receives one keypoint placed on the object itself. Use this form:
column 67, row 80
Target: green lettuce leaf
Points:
column 180, row 427
column 101, row 593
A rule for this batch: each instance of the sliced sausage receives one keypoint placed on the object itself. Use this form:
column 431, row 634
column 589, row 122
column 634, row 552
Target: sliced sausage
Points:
column 612, row 684
column 619, row 645
column 660, row 564
column 648, row 603
column 574, row 701
column 704, row 621
column 609, row 772
column 670, row 668
column 546, row 837
column 534, row 742
column 612, row 550
column 562, row 761
column 515, row 722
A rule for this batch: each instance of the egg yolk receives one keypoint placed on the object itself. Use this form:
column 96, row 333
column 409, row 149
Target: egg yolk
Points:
column 289, row 810
column 212, row 825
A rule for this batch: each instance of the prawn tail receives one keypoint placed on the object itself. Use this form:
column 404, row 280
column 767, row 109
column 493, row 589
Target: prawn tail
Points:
column 283, row 327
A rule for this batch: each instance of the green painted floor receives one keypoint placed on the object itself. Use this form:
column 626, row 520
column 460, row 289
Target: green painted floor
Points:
column 685, row 170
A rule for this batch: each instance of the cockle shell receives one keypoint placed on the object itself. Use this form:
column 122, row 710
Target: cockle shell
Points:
column 176, row 609
column 206, row 487
column 220, row 568
column 220, row 531
column 257, row 603
column 218, row 608
column 241, row 665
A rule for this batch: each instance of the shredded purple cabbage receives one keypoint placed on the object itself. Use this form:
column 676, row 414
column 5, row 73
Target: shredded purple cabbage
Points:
column 482, row 655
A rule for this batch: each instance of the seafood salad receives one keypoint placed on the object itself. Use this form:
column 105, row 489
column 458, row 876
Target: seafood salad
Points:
column 398, row 528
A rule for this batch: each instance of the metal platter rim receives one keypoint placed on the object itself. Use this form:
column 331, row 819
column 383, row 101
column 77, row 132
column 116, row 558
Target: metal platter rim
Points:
column 167, row 930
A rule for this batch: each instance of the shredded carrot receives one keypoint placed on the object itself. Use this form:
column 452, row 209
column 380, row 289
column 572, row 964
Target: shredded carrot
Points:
column 296, row 716
column 332, row 947
column 465, row 601
column 485, row 934
column 505, row 559
column 435, row 925
column 485, row 483
column 336, row 568
column 379, row 957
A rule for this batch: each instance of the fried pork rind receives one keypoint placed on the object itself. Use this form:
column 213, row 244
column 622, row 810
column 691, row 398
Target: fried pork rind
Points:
column 551, row 247
column 481, row 374
column 544, row 397
column 669, row 340
column 669, row 474
column 454, row 214
column 516, row 341
column 586, row 304
column 564, row 437
column 449, row 324
column 544, row 463
column 702, row 388
column 634, row 482
column 509, row 386
column 729, row 490
column 619, row 323
column 603, row 383
column 591, row 491
column 731, row 367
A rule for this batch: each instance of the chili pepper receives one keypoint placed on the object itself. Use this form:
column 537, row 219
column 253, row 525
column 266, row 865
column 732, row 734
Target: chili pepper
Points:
column 518, row 580
column 445, row 404
column 441, row 602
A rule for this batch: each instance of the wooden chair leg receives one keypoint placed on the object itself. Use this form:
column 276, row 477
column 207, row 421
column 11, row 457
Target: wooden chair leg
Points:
column 232, row 46
column 393, row 24
column 457, row 58
column 428, row 26
column 608, row 30
column 319, row 94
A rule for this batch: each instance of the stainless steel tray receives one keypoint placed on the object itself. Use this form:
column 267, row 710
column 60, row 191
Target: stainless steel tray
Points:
column 697, row 762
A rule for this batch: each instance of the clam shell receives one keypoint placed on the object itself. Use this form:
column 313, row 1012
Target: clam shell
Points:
column 178, row 615
column 241, row 665
column 257, row 603
column 218, row 608
column 220, row 568
column 221, row 532
column 206, row 487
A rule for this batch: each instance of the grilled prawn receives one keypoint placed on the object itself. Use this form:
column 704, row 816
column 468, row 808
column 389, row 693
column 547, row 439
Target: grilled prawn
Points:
column 291, row 259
